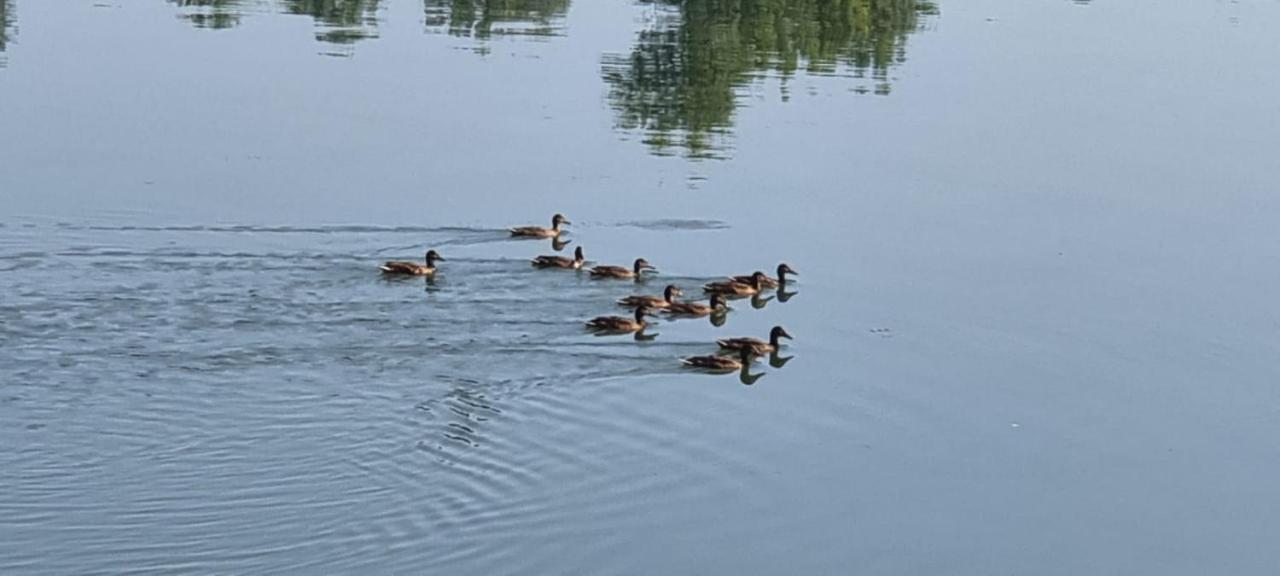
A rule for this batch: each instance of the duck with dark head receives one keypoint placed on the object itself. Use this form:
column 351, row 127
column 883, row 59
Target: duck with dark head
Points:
column 767, row 282
column 757, row 346
column 620, row 324
column 574, row 263
column 733, row 288
column 698, row 309
column 540, row 232
column 402, row 268
column 719, row 364
column 622, row 272
column 662, row 302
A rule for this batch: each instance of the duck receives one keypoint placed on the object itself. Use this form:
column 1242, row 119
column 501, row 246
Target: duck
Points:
column 734, row 288
column 621, row 324
column 574, row 263
column 768, row 282
column 757, row 346
column 717, row 305
column 662, row 302
column 714, row 363
column 621, row 272
column 412, row 268
column 540, row 232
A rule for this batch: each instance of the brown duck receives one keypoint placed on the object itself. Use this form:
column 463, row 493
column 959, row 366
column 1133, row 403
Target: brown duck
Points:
column 666, row 300
column 561, row 261
column 756, row 346
column 734, row 288
column 714, row 363
column 698, row 308
column 621, row 272
column 621, row 324
column 412, row 268
column 540, row 232
column 768, row 282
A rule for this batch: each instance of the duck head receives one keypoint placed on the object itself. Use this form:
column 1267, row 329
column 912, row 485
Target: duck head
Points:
column 783, row 270
column 671, row 292
column 641, row 312
column 579, row 255
column 557, row 220
column 642, row 264
column 776, row 333
column 432, row 257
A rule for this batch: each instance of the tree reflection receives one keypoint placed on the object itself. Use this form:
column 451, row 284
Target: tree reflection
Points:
column 680, row 84
column 212, row 14
column 483, row 19
column 339, row 21
column 6, row 26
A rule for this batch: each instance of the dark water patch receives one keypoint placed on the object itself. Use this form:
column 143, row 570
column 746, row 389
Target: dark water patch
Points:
column 675, row 224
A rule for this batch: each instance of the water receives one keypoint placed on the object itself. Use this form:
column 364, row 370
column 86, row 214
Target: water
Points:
column 1035, row 327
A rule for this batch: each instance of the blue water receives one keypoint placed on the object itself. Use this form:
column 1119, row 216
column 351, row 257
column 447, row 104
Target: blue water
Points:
column 1035, row 324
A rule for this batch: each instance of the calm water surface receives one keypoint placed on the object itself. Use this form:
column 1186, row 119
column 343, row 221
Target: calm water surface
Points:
column 1036, row 331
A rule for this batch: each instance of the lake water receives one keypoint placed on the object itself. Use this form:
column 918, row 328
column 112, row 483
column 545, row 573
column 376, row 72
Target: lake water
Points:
column 1036, row 329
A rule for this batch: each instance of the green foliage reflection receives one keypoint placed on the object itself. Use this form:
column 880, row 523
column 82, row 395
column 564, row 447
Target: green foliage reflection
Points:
column 212, row 14
column 680, row 84
column 483, row 19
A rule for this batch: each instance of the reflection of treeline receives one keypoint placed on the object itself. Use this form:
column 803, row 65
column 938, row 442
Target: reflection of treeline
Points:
column 341, row 21
column 347, row 21
column 6, row 23
column 485, row 18
column 215, row 14
column 680, row 79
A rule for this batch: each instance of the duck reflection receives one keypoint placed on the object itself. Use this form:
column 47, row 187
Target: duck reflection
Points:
column 683, row 79
column 557, row 244
column 776, row 360
column 784, row 295
column 746, row 377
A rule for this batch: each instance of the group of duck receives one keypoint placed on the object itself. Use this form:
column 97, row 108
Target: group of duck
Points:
column 734, row 353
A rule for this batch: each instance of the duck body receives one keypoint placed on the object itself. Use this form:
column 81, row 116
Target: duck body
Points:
column 620, row 324
column 697, row 308
column 540, row 232
column 755, row 346
column 735, row 288
column 621, row 272
column 661, row 302
column 766, row 281
column 403, row 268
column 574, row 263
column 713, row 363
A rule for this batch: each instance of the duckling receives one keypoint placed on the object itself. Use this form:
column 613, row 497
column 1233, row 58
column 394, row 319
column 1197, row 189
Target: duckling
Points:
column 698, row 309
column 733, row 288
column 713, row 363
column 574, row 263
column 540, row 232
column 666, row 300
column 768, row 282
column 412, row 268
column 621, row 272
column 620, row 324
column 755, row 345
